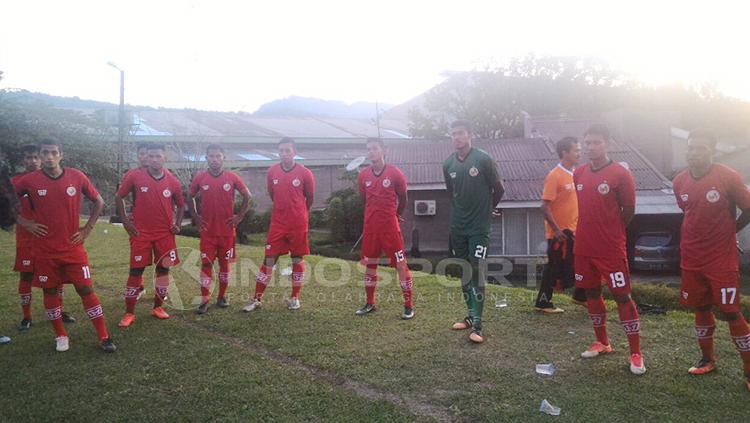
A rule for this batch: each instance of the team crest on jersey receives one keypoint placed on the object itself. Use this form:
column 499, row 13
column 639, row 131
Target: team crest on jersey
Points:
column 386, row 183
column 275, row 181
column 473, row 171
column 603, row 188
column 684, row 198
column 453, row 175
column 684, row 294
column 41, row 192
column 204, row 187
column 43, row 279
column 166, row 193
column 227, row 187
column 368, row 183
column 144, row 189
column 71, row 191
column 296, row 182
column 713, row 196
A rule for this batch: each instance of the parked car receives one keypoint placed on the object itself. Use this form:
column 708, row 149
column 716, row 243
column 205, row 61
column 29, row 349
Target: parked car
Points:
column 656, row 250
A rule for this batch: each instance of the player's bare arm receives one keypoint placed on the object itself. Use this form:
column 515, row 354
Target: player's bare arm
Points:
column 547, row 211
column 196, row 218
column 627, row 214
column 237, row 218
column 178, row 220
column 96, row 210
column 124, row 218
column 743, row 220
column 498, row 190
column 309, row 198
column 402, row 201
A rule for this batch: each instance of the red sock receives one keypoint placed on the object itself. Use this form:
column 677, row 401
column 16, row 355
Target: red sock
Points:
column 298, row 278
column 741, row 337
column 705, row 324
column 94, row 310
column 162, row 286
column 371, row 281
column 24, row 291
column 406, row 286
column 631, row 322
column 223, row 278
column 54, row 313
column 131, row 292
column 207, row 275
column 261, row 281
column 598, row 314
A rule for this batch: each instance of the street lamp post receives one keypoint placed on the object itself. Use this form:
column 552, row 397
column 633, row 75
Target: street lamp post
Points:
column 120, row 129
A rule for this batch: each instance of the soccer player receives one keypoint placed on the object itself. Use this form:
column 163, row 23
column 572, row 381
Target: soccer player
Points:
column 8, row 212
column 709, row 194
column 152, row 228
column 24, row 244
column 560, row 208
column 291, row 187
column 476, row 189
column 383, row 189
column 216, row 187
column 55, row 196
column 606, row 205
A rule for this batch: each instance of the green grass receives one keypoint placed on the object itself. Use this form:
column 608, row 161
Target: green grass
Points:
column 322, row 363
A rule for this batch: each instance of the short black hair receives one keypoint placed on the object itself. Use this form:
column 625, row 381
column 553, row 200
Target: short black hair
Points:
column 29, row 149
column 703, row 134
column 376, row 140
column 50, row 141
column 463, row 123
column 216, row 147
column 156, row 146
column 564, row 145
column 141, row 145
column 287, row 140
column 598, row 129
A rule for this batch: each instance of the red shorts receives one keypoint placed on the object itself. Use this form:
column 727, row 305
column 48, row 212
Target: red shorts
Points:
column 591, row 272
column 217, row 247
column 24, row 256
column 703, row 288
column 280, row 243
column 51, row 272
column 375, row 244
column 160, row 252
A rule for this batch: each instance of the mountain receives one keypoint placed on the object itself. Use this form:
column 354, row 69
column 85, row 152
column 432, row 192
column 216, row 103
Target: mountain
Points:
column 314, row 107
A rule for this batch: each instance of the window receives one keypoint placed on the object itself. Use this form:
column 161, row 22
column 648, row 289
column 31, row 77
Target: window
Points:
column 520, row 232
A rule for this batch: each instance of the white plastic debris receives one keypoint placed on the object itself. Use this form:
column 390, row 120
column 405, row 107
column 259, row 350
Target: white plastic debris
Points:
column 502, row 303
column 286, row 271
column 571, row 332
column 548, row 408
column 4, row 340
column 546, row 369
column 106, row 231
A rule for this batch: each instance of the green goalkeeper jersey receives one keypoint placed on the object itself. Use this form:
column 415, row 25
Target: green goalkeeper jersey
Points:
column 470, row 181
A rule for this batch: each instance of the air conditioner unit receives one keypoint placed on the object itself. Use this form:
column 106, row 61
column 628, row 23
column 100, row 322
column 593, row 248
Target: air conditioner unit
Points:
column 425, row 208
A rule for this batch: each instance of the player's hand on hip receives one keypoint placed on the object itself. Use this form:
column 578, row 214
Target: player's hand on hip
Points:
column 37, row 229
column 234, row 220
column 560, row 236
column 81, row 235
column 175, row 229
column 130, row 228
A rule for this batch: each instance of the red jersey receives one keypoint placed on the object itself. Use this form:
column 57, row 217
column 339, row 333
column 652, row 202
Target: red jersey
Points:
column 601, row 195
column 287, row 190
column 381, row 198
column 153, row 202
column 217, row 200
column 56, row 203
column 22, row 234
column 709, row 235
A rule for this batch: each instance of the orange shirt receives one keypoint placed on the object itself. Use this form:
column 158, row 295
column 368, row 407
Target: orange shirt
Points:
column 560, row 191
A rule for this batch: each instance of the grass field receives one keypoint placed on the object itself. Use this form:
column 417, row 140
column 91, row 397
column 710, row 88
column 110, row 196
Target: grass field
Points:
column 322, row 363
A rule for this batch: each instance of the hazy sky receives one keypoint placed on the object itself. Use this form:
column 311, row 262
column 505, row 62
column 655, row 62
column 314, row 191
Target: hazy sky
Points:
column 233, row 55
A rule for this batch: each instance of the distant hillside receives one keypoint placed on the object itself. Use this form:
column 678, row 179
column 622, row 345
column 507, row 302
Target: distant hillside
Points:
column 315, row 107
